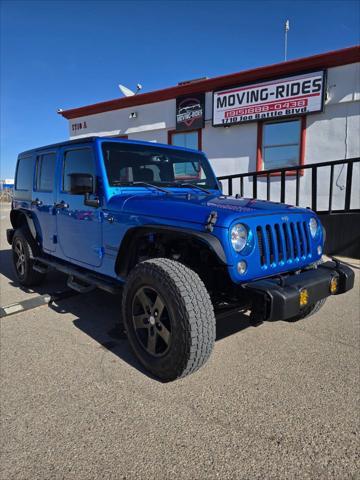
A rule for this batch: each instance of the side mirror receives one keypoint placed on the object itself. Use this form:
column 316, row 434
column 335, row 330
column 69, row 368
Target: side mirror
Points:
column 221, row 186
column 81, row 183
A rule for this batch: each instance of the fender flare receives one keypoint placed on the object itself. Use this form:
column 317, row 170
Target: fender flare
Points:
column 29, row 220
column 124, row 257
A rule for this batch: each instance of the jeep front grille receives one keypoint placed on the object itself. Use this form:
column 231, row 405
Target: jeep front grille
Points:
column 282, row 242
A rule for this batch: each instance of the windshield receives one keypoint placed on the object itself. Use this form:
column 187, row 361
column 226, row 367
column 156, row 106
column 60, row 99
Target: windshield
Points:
column 127, row 164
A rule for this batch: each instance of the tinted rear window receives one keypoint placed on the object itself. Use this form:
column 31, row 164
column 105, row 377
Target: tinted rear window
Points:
column 25, row 173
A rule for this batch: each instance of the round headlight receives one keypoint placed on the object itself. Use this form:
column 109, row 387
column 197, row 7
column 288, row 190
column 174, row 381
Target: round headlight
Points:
column 313, row 224
column 239, row 237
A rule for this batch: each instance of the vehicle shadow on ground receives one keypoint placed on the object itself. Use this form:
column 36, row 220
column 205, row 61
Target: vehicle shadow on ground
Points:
column 54, row 281
column 98, row 313
column 99, row 316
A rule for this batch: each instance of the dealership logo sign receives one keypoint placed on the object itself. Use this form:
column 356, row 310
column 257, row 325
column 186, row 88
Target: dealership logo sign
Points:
column 190, row 112
column 285, row 97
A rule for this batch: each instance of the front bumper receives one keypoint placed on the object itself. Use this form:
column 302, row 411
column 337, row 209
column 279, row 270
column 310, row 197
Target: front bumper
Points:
column 279, row 298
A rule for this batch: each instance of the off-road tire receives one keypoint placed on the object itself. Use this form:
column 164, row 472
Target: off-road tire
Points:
column 26, row 276
column 309, row 311
column 193, row 327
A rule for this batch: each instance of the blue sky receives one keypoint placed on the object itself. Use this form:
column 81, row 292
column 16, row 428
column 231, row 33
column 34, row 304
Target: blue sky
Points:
column 71, row 53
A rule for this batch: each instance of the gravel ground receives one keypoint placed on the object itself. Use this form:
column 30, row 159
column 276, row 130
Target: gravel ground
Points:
column 276, row 401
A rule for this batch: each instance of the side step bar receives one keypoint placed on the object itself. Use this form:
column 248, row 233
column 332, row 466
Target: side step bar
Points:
column 79, row 287
column 78, row 280
column 41, row 268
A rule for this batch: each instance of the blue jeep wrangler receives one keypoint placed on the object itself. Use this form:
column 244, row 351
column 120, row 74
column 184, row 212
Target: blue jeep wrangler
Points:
column 150, row 221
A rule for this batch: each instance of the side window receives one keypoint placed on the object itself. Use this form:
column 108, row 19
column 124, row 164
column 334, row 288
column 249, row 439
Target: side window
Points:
column 45, row 172
column 186, row 139
column 281, row 144
column 77, row 161
column 25, row 173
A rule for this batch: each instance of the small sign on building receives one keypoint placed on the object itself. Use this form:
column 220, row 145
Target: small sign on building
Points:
column 285, row 97
column 190, row 112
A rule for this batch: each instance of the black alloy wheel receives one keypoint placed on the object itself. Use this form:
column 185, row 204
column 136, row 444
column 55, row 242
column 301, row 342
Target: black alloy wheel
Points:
column 152, row 321
column 19, row 257
column 24, row 249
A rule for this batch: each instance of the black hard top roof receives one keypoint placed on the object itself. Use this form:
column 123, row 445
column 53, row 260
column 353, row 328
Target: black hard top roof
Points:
column 78, row 141
column 60, row 144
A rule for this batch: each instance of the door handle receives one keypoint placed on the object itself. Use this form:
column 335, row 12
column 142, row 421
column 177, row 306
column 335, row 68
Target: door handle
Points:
column 61, row 205
column 37, row 202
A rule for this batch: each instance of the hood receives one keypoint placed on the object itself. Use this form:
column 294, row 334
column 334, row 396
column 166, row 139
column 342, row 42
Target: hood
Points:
column 195, row 208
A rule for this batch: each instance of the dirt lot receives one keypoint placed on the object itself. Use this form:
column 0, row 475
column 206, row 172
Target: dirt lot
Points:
column 276, row 401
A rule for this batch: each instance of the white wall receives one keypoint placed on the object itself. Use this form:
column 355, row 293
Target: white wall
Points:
column 330, row 135
column 154, row 116
column 231, row 150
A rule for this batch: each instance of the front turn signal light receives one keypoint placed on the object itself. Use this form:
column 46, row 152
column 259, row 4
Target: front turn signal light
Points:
column 303, row 297
column 334, row 285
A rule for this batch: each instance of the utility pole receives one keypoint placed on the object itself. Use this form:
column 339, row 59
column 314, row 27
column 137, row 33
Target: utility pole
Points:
column 287, row 28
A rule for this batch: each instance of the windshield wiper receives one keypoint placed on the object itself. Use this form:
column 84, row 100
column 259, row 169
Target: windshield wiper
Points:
column 151, row 185
column 143, row 184
column 195, row 187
